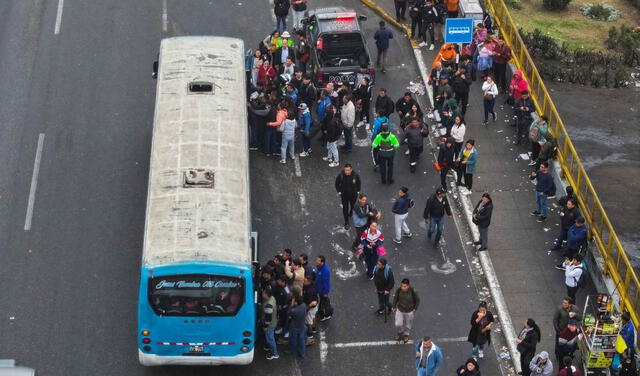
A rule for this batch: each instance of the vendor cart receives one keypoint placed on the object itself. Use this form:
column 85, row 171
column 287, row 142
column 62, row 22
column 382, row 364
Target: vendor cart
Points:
column 600, row 327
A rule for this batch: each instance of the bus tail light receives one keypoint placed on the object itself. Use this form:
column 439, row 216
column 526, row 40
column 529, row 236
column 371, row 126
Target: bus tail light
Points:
column 246, row 333
column 146, row 341
column 244, row 349
column 246, row 341
column 145, row 332
column 319, row 43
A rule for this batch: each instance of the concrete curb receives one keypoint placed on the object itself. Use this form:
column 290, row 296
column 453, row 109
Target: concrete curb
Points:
column 485, row 260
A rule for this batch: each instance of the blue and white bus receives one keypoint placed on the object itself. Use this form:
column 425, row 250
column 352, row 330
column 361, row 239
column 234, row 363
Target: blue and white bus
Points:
column 197, row 304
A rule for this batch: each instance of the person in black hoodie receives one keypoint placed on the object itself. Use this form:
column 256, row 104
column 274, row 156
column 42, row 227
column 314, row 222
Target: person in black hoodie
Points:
column 348, row 187
column 522, row 110
column 415, row 12
column 430, row 18
column 307, row 92
column 568, row 215
column 460, row 82
column 362, row 96
column 383, row 280
column 526, row 344
column 469, row 368
column 482, row 218
column 437, row 205
column 404, row 104
column 414, row 134
column 446, row 155
column 384, row 104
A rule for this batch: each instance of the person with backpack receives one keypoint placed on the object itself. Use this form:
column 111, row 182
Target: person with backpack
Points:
column 574, row 276
column 538, row 132
column 370, row 240
column 383, row 280
column 400, row 211
column 544, row 187
column 434, row 211
column 386, row 144
column 414, row 134
column 348, row 187
column 405, row 304
column 522, row 109
column 323, row 286
column 281, row 10
column 382, row 37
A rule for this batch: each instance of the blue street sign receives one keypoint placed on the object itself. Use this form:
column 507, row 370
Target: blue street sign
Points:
column 458, row 30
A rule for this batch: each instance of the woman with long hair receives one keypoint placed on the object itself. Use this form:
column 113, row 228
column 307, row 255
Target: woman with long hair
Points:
column 526, row 344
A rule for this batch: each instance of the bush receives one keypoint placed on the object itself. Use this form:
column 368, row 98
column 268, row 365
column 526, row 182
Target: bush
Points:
column 513, row 4
column 555, row 4
column 599, row 11
column 627, row 41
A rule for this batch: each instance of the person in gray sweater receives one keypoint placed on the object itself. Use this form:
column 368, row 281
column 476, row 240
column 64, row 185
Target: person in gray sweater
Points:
column 414, row 133
column 288, row 130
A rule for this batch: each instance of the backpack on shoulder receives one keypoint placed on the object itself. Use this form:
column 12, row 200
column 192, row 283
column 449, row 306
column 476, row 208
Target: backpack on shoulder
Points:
column 534, row 133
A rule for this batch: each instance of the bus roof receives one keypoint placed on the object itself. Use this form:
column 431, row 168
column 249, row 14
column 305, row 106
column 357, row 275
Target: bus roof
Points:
column 198, row 197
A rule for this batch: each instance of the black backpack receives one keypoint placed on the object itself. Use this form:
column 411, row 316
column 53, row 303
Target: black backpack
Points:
column 582, row 280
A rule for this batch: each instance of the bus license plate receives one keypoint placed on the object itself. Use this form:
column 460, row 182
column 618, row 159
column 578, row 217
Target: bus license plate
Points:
column 196, row 349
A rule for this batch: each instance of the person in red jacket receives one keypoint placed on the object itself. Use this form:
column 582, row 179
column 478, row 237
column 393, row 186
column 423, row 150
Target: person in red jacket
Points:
column 518, row 85
column 266, row 73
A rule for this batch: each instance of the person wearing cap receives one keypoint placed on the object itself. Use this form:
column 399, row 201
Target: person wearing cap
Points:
column 437, row 205
column 446, row 156
column 480, row 332
column 469, row 368
column 400, row 211
column 283, row 50
column 481, row 217
column 386, row 144
column 541, row 365
column 304, row 122
column 568, row 340
column 405, row 304
column 281, row 10
column 467, row 165
column 428, row 357
column 383, row 280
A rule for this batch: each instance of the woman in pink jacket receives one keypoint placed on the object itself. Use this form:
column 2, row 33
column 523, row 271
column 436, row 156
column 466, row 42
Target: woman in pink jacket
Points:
column 518, row 85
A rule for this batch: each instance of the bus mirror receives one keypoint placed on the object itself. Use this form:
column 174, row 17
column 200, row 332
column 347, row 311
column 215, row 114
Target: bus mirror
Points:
column 154, row 72
column 362, row 17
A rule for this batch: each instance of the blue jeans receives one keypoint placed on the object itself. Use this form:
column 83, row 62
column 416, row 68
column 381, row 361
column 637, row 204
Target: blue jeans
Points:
column 476, row 348
column 488, row 108
column 269, row 140
column 348, row 139
column 433, row 223
column 287, row 143
column 306, row 142
column 281, row 21
column 371, row 258
column 270, row 336
column 422, row 372
column 541, row 201
column 297, row 342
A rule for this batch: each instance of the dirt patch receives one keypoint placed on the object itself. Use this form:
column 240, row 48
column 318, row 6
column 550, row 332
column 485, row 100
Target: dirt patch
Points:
column 570, row 26
column 604, row 125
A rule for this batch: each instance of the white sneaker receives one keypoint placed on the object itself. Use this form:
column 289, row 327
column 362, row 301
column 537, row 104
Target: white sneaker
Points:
column 304, row 154
column 422, row 44
column 359, row 124
column 283, row 162
column 334, row 164
column 366, row 126
column 406, row 152
column 309, row 151
column 480, row 354
column 431, row 47
column 326, row 159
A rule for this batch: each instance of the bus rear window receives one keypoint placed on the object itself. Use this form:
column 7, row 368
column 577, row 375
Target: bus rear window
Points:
column 196, row 295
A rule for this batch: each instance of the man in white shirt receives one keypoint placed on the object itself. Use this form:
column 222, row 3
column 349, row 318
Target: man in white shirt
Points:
column 572, row 273
column 348, row 117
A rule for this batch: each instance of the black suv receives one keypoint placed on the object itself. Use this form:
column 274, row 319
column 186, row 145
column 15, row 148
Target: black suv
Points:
column 338, row 47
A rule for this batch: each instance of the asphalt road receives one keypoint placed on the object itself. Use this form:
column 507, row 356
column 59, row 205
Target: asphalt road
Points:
column 70, row 282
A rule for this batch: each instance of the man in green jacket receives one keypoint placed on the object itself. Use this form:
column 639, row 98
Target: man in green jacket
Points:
column 386, row 143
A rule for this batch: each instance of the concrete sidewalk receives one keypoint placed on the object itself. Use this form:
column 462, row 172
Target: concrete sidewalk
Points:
column 518, row 245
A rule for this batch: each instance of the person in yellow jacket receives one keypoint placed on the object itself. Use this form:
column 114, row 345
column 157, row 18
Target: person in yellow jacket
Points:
column 386, row 144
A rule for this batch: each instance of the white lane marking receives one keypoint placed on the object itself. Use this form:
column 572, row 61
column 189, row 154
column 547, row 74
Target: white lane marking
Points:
column 296, row 371
column 393, row 343
column 303, row 203
column 56, row 31
column 34, row 183
column 324, row 349
column 273, row 15
column 296, row 164
column 164, row 16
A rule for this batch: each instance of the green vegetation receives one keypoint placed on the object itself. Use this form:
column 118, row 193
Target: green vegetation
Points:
column 627, row 41
column 555, row 4
column 599, row 11
column 513, row 4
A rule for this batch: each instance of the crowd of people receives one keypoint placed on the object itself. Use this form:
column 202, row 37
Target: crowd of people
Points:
column 284, row 103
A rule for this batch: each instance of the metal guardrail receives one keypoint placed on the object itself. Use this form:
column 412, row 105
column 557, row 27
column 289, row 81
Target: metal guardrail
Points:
column 616, row 262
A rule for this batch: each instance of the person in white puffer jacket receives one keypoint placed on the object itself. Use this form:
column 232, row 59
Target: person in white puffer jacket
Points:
column 458, row 131
column 288, row 129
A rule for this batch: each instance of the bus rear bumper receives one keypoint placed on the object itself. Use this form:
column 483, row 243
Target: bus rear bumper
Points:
column 156, row 360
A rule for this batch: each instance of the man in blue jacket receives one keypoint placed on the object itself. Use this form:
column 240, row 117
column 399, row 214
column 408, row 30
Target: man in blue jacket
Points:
column 428, row 358
column 576, row 236
column 382, row 37
column 400, row 212
column 544, row 187
column 323, row 285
